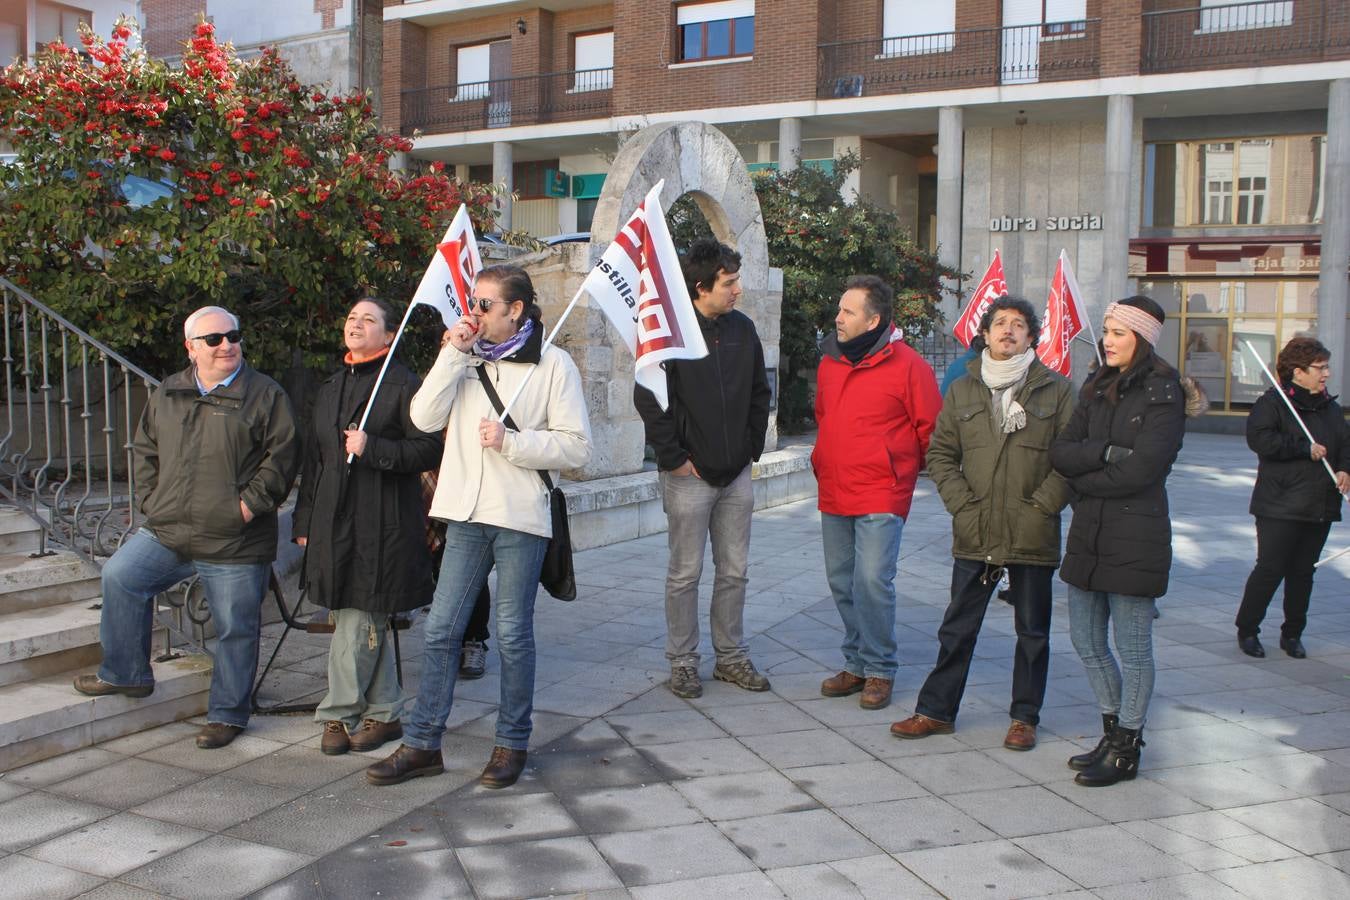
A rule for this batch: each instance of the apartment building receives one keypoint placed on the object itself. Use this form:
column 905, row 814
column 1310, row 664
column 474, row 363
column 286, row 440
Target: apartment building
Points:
column 1195, row 150
column 26, row 26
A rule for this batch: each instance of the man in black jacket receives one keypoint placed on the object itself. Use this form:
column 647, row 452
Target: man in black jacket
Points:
column 704, row 443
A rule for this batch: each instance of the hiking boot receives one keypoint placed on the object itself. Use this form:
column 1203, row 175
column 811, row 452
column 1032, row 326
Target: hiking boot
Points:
column 372, row 734
column 472, row 660
column 93, row 686
column 404, row 763
column 1021, row 736
column 503, row 769
column 742, row 674
column 217, row 734
column 842, row 685
column 684, row 682
column 876, row 693
column 335, row 741
column 921, row 726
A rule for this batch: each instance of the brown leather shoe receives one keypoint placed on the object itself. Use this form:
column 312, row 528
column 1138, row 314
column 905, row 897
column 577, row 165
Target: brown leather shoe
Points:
column 920, row 726
column 217, row 734
column 93, row 686
column 335, row 741
column 404, row 763
column 503, row 769
column 373, row 735
column 1021, row 736
column 876, row 693
column 842, row 685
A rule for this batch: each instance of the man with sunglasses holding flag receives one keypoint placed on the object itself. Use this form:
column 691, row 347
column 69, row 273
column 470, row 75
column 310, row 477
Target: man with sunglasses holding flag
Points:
column 215, row 456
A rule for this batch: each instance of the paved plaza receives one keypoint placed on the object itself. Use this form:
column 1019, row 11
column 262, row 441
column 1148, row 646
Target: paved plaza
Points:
column 631, row 792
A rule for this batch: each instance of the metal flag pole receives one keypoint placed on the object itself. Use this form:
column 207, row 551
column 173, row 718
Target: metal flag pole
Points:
column 1289, row 403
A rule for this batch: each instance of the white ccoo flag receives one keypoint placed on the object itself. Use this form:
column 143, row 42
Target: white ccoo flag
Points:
column 449, row 276
column 639, row 286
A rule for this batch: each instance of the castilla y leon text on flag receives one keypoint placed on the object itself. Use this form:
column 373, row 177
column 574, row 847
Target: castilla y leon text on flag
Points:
column 449, row 276
column 1064, row 318
column 639, row 286
column 992, row 286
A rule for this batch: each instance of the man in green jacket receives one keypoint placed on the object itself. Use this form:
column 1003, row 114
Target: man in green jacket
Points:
column 216, row 454
column 990, row 460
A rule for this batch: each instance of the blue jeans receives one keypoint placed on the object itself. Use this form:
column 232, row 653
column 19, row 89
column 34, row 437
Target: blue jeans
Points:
column 1122, row 690
column 860, row 557
column 142, row 568
column 471, row 550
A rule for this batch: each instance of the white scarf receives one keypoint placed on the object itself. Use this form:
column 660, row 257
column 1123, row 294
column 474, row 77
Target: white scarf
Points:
column 1003, row 377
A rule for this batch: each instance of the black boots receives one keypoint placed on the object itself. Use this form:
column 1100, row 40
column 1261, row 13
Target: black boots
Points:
column 1120, row 761
column 1092, row 757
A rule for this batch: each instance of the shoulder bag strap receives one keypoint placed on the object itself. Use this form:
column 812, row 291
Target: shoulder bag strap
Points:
column 497, row 405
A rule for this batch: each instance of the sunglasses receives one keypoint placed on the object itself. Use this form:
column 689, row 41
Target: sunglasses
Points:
column 484, row 304
column 214, row 339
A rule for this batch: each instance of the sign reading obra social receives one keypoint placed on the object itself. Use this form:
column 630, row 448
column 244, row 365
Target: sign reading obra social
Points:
column 1083, row 222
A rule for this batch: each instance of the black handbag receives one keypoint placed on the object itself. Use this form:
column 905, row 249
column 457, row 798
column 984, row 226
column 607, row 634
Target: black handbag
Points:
column 557, row 575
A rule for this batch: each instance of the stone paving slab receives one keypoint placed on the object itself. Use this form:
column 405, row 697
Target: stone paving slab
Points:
column 631, row 792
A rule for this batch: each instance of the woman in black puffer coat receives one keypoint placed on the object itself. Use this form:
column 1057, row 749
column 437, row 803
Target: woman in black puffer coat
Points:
column 1295, row 500
column 363, row 526
column 1116, row 453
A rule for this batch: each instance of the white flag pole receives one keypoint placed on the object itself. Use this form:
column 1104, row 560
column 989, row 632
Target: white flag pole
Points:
column 1071, row 281
column 1335, row 555
column 379, row 379
column 506, row 409
column 1289, row 403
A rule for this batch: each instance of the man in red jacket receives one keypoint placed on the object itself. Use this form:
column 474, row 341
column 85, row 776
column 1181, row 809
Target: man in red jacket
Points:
column 877, row 402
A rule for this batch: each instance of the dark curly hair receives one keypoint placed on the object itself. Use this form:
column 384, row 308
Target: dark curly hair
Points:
column 1299, row 353
column 1017, row 305
column 703, row 260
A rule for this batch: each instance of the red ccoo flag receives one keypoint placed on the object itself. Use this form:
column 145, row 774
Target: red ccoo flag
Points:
column 992, row 286
column 1064, row 318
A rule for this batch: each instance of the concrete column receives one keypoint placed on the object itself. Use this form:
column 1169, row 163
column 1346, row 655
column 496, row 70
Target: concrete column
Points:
column 951, row 145
column 502, row 174
column 1333, row 287
column 1116, row 199
column 789, row 144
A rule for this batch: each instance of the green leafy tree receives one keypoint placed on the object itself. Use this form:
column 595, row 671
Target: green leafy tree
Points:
column 819, row 240
column 142, row 192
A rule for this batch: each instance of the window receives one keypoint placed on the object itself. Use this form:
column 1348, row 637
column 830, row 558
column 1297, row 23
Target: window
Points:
column 57, row 21
column 1225, row 16
column 912, row 27
column 1063, row 17
column 1246, row 181
column 593, row 59
column 471, row 72
column 716, row 30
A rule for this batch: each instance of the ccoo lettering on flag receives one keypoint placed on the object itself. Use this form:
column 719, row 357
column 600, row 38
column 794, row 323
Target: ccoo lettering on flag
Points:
column 1064, row 318
column 448, row 280
column 992, row 286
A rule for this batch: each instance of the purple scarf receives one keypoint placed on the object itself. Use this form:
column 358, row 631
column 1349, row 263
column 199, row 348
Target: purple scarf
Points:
column 493, row 352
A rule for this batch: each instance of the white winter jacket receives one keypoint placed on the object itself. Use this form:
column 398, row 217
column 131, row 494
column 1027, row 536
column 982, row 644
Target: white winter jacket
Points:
column 479, row 484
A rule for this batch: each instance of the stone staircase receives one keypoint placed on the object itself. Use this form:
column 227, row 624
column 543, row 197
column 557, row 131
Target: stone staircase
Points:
column 49, row 615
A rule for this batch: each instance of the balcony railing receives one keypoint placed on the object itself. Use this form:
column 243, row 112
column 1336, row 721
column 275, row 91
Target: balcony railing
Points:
column 522, row 100
column 972, row 57
column 1245, row 34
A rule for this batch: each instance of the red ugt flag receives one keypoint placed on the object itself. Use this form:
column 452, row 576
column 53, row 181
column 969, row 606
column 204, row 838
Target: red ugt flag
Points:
column 639, row 286
column 992, row 286
column 450, row 274
column 1063, row 318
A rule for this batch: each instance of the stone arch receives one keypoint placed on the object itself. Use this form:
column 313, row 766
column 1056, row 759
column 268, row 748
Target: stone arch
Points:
column 692, row 158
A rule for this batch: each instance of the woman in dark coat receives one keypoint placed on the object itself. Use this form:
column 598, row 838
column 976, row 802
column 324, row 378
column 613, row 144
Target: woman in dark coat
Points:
column 364, row 529
column 1294, row 500
column 1116, row 453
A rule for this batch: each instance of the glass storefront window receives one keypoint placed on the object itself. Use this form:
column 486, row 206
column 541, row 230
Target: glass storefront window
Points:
column 1251, row 181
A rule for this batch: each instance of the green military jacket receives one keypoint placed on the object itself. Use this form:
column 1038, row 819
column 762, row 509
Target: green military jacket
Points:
column 1003, row 496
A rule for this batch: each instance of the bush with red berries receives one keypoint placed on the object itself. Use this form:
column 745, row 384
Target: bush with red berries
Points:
column 143, row 191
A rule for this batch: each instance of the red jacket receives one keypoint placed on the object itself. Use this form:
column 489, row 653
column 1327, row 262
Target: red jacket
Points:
column 874, row 422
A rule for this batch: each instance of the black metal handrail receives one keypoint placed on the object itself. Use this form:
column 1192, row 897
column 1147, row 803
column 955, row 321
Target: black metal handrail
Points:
column 969, row 57
column 1271, row 32
column 519, row 100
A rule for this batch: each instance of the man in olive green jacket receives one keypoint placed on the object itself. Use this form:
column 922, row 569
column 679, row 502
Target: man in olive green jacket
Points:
column 990, row 460
column 216, row 454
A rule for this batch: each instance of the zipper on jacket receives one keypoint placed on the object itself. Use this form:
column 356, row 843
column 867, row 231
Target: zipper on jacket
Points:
column 722, row 391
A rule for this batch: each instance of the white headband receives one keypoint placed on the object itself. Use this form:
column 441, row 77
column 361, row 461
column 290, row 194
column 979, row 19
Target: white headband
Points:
column 1138, row 321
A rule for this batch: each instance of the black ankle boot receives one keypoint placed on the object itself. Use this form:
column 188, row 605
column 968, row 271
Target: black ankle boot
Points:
column 1092, row 757
column 1120, row 762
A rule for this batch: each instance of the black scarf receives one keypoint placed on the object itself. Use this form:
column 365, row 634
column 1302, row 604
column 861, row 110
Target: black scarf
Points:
column 856, row 348
column 1306, row 399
